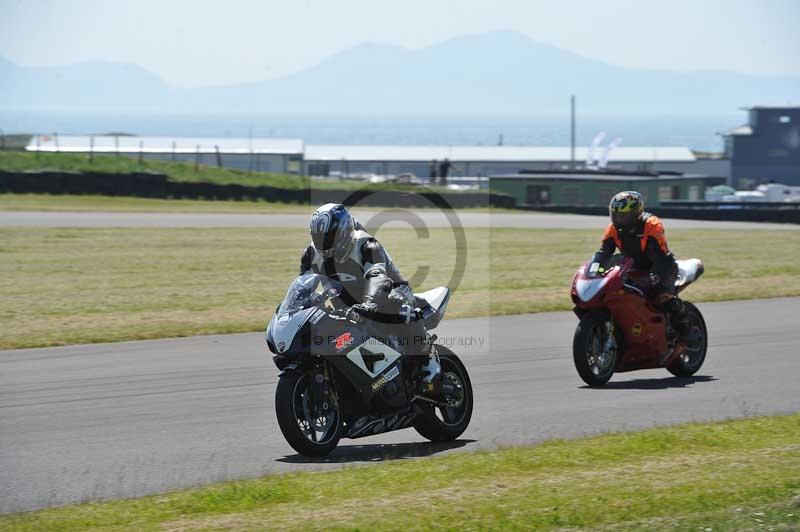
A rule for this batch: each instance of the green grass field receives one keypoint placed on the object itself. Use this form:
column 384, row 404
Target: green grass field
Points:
column 70, row 286
column 17, row 161
column 734, row 475
column 77, row 203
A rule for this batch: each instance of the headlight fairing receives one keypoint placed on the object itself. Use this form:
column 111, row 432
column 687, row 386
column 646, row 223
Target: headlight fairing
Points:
column 587, row 289
column 284, row 329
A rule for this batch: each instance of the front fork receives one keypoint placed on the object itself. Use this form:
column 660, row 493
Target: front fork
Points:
column 611, row 339
column 323, row 391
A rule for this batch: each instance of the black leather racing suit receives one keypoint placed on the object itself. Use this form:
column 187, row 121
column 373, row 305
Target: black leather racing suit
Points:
column 372, row 281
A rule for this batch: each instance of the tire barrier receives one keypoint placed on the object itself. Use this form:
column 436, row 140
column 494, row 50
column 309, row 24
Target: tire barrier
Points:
column 152, row 185
column 723, row 211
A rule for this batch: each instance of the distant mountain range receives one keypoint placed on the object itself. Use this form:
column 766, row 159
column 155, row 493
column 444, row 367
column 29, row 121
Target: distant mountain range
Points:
column 498, row 73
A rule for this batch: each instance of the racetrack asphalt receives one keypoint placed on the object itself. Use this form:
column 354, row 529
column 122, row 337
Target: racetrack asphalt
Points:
column 395, row 218
column 121, row 420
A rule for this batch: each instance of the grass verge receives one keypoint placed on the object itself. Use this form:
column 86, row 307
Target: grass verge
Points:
column 65, row 286
column 732, row 475
column 77, row 203
column 17, row 161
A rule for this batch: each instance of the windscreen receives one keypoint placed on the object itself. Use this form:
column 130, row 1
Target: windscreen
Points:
column 306, row 291
column 591, row 280
column 605, row 265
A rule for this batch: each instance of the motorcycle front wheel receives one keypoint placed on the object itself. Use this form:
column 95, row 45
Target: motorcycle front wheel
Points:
column 311, row 429
column 446, row 422
column 594, row 355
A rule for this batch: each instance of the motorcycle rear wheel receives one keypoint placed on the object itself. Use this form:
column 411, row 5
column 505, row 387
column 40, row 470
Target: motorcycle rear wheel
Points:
column 594, row 365
column 307, row 434
column 690, row 362
column 446, row 423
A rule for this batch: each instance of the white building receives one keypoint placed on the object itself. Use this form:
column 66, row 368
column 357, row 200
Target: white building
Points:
column 294, row 156
column 257, row 154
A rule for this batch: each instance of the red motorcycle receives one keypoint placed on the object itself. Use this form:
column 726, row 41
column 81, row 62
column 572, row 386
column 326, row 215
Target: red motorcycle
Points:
column 620, row 329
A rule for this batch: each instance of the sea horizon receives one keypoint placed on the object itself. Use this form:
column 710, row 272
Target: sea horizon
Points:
column 697, row 132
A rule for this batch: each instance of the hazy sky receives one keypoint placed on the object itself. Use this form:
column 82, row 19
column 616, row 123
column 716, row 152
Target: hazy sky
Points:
column 199, row 42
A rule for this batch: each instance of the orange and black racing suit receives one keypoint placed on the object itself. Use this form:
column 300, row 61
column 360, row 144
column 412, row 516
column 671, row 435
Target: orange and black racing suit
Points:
column 646, row 244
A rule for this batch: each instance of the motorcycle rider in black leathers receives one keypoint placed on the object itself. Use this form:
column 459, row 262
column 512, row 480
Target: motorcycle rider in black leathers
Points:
column 374, row 290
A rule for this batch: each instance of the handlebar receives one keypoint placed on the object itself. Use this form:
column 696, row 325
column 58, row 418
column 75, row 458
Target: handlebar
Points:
column 410, row 315
column 339, row 312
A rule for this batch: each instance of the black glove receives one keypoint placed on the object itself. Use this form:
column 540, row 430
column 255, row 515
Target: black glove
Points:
column 664, row 299
column 361, row 310
column 394, row 303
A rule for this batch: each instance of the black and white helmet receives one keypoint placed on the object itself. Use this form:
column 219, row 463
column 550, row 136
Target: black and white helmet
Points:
column 332, row 228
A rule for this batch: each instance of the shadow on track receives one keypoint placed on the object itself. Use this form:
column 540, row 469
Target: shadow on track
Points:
column 653, row 384
column 377, row 452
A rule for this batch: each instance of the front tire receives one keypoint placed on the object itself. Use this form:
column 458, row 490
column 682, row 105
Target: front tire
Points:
column 441, row 423
column 690, row 362
column 309, row 433
column 594, row 356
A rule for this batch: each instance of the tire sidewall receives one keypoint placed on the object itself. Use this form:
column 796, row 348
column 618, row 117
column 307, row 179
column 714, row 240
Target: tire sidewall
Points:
column 678, row 368
column 580, row 345
column 287, row 418
column 428, row 424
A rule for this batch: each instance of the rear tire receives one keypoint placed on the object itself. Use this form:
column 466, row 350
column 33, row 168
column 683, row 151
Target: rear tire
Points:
column 692, row 360
column 594, row 366
column 439, row 423
column 290, row 398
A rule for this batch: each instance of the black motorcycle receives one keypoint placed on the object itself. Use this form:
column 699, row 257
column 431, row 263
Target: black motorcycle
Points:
column 341, row 378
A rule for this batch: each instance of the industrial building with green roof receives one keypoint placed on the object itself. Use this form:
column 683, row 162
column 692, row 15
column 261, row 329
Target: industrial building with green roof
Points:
column 585, row 188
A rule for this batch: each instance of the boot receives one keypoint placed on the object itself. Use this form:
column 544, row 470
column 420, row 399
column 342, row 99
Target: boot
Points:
column 680, row 320
column 432, row 369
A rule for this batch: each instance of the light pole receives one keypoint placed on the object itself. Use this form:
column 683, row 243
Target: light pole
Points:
column 572, row 133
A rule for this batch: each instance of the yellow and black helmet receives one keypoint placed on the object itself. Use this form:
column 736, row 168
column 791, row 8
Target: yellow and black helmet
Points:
column 626, row 208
